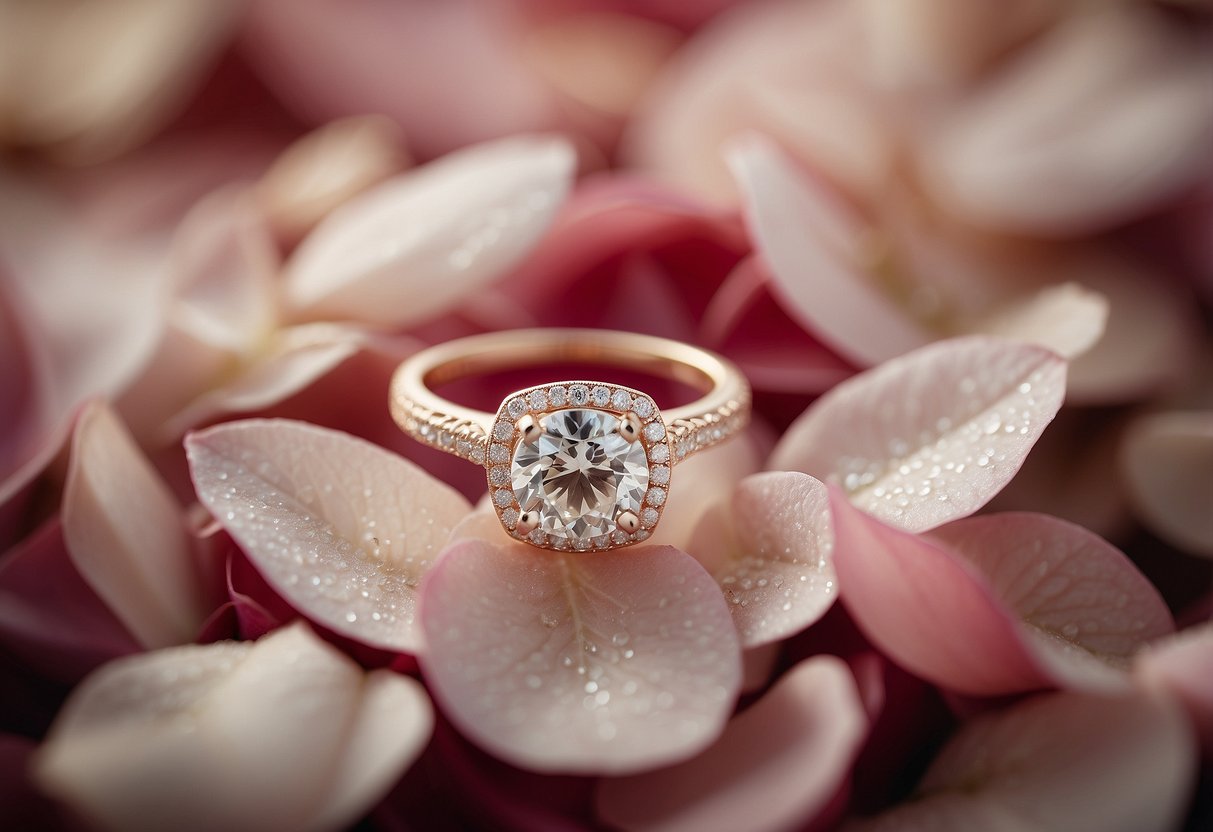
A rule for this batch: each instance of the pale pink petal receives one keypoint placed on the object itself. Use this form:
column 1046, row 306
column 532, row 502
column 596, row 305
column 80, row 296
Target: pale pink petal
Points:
column 342, row 529
column 292, row 359
column 758, row 665
column 744, row 321
column 283, row 733
column 787, row 69
column 1149, row 340
column 777, row 766
column 706, row 479
column 1072, row 473
column 1168, row 464
column 95, row 306
column 599, row 60
column 449, row 73
column 1097, row 122
column 927, row 609
column 1182, row 665
column 933, row 435
column 1063, row 762
column 422, row 242
column 95, row 80
column 50, row 619
column 1084, row 604
column 932, row 43
column 223, row 265
column 326, row 168
column 126, row 534
column 768, row 546
column 604, row 663
column 820, row 257
column 1067, row 319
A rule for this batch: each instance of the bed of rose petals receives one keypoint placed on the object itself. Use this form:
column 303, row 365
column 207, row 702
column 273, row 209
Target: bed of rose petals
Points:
column 955, row 576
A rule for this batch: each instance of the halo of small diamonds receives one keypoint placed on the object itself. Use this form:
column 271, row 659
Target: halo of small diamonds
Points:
column 626, row 485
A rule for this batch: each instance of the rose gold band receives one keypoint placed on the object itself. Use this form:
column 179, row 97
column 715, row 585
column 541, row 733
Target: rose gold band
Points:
column 429, row 418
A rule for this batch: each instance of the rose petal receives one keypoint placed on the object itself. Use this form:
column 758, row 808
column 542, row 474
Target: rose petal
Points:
column 1103, row 118
column 1148, row 342
column 1067, row 319
column 284, row 733
column 418, row 244
column 706, row 479
column 932, row 43
column 998, row 604
column 326, row 168
column 1182, row 665
column 1077, row 591
column 931, row 436
column 745, row 322
column 606, row 663
column 818, row 251
column 49, row 617
column 293, row 358
column 927, row 609
column 343, row 529
column 769, row 547
column 126, row 534
column 1168, row 464
column 777, row 765
column 93, row 309
column 1067, row 762
column 97, row 80
column 410, row 61
column 223, row 269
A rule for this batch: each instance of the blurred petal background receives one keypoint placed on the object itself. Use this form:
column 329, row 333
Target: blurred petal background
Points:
column 213, row 211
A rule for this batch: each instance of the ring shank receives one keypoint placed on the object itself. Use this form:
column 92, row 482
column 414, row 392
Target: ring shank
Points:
column 722, row 409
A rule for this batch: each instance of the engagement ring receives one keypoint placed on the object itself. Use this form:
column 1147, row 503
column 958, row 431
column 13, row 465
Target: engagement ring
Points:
column 580, row 465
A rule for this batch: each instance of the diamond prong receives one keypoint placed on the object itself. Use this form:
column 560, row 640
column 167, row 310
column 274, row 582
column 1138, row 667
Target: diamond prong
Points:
column 527, row 426
column 527, row 522
column 627, row 521
column 629, row 427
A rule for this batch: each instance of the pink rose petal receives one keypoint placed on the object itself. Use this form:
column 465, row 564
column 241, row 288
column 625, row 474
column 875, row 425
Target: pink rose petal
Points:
column 126, row 535
column 98, row 80
column 1067, row 319
column 420, row 243
column 997, row 604
column 1063, row 762
column 223, row 266
column 1077, row 593
column 777, row 766
column 50, row 618
column 283, row 733
column 704, row 480
column 82, row 337
column 933, row 435
column 1149, row 340
column 449, row 73
column 1101, row 119
column 1168, row 463
column 343, row 529
column 926, row 609
column 326, row 168
column 599, row 663
column 291, row 360
column 818, row 250
column 769, row 546
column 1182, row 665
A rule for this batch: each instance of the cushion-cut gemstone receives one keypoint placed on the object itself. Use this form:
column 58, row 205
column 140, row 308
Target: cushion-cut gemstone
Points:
column 578, row 473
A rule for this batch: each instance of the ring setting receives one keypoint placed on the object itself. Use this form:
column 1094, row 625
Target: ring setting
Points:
column 577, row 465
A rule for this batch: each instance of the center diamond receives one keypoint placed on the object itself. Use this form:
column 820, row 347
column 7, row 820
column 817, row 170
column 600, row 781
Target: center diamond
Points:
column 578, row 473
